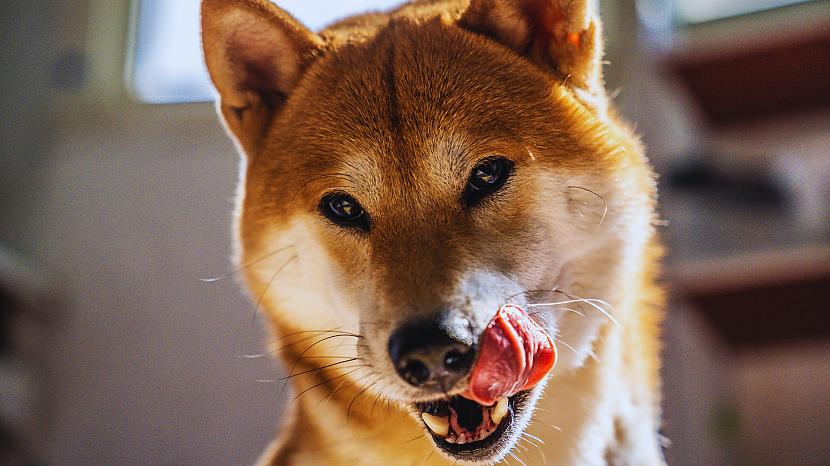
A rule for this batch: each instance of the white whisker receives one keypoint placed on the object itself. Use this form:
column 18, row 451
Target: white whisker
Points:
column 541, row 450
column 566, row 345
column 570, row 310
column 522, row 439
column 534, row 437
column 517, row 458
column 589, row 301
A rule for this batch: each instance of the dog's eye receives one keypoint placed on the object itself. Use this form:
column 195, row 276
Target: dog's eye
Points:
column 487, row 177
column 344, row 210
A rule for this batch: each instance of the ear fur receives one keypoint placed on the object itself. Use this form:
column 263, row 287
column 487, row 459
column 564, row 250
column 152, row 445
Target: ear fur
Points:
column 562, row 36
column 255, row 54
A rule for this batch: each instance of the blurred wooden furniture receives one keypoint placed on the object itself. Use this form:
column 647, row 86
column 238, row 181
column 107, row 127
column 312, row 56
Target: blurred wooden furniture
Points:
column 25, row 323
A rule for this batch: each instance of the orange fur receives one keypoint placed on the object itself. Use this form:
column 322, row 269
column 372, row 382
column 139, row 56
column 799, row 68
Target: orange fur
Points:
column 395, row 108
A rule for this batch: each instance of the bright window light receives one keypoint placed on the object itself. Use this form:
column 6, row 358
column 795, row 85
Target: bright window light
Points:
column 698, row 11
column 167, row 64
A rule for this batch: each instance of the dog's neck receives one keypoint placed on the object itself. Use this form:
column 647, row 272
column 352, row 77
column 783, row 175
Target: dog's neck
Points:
column 598, row 414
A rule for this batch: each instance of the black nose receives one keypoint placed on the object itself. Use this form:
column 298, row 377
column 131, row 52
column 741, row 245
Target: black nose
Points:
column 433, row 353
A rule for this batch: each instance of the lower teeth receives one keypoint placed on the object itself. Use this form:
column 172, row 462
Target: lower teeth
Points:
column 437, row 424
column 443, row 427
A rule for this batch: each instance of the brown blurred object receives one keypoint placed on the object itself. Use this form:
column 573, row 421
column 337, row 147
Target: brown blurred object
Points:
column 775, row 75
column 25, row 322
column 762, row 300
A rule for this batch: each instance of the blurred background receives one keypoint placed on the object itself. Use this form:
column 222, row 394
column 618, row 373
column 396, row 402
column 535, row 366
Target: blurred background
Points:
column 116, row 188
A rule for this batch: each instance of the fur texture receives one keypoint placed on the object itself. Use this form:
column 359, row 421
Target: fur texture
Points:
column 395, row 109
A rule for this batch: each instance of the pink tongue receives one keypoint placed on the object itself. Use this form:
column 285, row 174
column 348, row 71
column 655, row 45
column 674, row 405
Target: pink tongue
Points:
column 515, row 354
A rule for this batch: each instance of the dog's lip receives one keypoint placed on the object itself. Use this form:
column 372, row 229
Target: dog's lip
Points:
column 487, row 448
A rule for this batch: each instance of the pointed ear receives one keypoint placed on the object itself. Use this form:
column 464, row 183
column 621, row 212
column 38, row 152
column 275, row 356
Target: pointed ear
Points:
column 563, row 36
column 255, row 54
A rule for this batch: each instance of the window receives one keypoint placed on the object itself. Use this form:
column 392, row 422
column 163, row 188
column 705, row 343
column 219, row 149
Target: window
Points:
column 698, row 11
column 167, row 64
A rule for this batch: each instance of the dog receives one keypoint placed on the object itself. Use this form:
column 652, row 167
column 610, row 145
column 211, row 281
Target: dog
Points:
column 404, row 177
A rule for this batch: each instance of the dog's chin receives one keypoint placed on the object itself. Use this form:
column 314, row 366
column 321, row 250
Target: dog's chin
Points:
column 469, row 433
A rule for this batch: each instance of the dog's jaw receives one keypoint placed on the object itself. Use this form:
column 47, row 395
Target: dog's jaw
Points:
column 501, row 438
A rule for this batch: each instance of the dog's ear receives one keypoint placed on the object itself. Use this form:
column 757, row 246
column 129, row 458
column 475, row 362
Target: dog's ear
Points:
column 562, row 36
column 255, row 54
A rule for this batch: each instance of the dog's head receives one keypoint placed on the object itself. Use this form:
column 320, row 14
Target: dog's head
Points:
column 406, row 175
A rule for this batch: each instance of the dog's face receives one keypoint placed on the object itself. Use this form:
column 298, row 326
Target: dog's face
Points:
column 409, row 183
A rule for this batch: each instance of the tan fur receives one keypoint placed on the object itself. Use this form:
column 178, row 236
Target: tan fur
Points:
column 395, row 109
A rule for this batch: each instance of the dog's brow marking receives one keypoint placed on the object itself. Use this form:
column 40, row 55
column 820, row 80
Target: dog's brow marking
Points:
column 343, row 176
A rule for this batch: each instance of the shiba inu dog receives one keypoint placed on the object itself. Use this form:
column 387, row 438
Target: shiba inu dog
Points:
column 406, row 177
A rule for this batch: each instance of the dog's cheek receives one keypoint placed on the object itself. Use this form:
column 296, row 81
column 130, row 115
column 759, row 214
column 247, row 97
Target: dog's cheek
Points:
column 303, row 286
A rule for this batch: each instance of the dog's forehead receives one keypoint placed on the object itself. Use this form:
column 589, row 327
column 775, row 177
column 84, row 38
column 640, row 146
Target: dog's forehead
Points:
column 417, row 103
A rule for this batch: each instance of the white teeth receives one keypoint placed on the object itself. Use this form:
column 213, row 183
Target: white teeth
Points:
column 437, row 424
column 498, row 411
column 442, row 425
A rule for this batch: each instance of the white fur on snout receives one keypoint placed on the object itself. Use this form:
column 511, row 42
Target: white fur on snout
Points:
column 480, row 294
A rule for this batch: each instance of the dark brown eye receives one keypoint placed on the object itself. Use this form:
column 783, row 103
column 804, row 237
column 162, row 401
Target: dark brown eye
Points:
column 486, row 178
column 344, row 210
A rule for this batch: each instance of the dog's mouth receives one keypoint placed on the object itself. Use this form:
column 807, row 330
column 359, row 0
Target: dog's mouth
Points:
column 464, row 429
column 514, row 356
